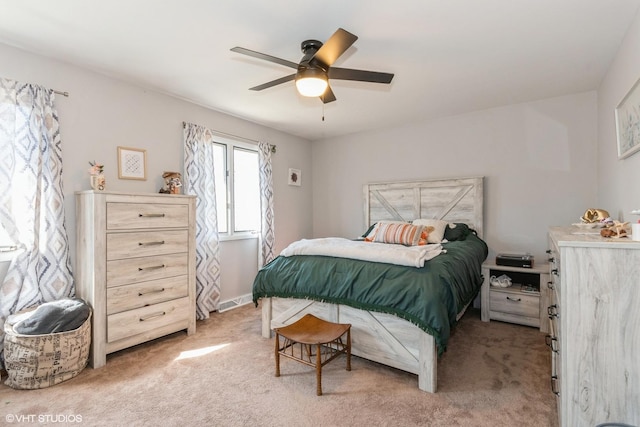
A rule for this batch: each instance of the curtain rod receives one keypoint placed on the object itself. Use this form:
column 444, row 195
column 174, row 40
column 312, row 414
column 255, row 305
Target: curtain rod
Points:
column 273, row 147
column 59, row 92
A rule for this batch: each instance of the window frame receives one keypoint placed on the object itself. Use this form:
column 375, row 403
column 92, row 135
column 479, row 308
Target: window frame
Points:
column 230, row 144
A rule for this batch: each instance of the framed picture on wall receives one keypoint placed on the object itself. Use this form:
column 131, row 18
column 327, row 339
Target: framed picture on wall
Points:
column 132, row 163
column 628, row 122
column 295, row 177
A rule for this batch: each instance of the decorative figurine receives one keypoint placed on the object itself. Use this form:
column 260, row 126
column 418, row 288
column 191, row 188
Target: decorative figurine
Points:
column 172, row 183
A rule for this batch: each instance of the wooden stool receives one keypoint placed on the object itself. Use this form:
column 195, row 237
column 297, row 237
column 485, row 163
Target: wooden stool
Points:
column 311, row 332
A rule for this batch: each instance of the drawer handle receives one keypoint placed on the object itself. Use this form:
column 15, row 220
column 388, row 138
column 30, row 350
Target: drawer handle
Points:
column 153, row 291
column 552, row 311
column 550, row 285
column 152, row 316
column 514, row 299
column 554, row 382
column 552, row 259
column 151, row 215
column 551, row 342
column 153, row 267
column 160, row 242
column 554, row 271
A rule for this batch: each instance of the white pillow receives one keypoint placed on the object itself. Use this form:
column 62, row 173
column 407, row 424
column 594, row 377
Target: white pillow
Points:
column 439, row 227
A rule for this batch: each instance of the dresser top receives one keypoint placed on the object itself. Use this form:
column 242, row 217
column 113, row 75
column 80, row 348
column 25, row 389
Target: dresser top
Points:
column 581, row 237
column 124, row 193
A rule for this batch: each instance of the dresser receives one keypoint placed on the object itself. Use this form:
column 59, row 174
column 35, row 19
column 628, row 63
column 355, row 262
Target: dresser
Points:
column 135, row 266
column 594, row 318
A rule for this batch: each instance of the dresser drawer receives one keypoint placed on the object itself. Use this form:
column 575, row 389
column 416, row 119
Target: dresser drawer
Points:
column 145, row 319
column 516, row 303
column 128, row 297
column 146, row 243
column 134, row 270
column 128, row 216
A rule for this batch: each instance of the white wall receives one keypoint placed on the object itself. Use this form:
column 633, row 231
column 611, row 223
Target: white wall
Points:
column 102, row 113
column 538, row 160
column 618, row 180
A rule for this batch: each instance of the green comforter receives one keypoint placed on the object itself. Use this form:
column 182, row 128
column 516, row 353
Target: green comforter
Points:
column 430, row 297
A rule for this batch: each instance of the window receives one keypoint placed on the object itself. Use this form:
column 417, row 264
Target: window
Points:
column 237, row 181
column 21, row 183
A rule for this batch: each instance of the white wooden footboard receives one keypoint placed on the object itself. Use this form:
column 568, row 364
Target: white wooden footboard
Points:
column 380, row 337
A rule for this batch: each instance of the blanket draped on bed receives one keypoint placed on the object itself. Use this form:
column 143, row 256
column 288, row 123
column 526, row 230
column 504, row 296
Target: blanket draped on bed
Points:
column 411, row 256
column 429, row 297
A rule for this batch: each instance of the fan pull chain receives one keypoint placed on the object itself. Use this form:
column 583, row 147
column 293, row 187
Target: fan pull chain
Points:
column 323, row 108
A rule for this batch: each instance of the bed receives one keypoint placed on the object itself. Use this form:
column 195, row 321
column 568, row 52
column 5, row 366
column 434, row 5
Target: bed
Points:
column 377, row 298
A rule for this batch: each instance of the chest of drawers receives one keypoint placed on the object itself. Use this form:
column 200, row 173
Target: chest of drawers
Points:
column 135, row 265
column 594, row 322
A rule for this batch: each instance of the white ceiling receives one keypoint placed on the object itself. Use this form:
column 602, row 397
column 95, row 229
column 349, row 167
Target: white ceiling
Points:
column 448, row 56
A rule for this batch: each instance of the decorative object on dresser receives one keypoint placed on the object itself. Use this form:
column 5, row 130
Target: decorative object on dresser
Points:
column 132, row 163
column 595, row 216
column 525, row 302
column 594, row 328
column 135, row 265
column 96, row 176
column 172, row 183
column 617, row 230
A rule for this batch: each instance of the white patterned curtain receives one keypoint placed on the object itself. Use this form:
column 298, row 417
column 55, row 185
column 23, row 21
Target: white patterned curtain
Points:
column 199, row 181
column 32, row 201
column 267, row 235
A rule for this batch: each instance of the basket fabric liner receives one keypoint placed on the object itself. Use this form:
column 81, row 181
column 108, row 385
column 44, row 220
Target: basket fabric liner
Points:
column 40, row 361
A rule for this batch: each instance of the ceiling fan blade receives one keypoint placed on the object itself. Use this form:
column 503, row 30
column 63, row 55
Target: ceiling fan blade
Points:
column 274, row 82
column 265, row 57
column 328, row 96
column 337, row 44
column 359, row 75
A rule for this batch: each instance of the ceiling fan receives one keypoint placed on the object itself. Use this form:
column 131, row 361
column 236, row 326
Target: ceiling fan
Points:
column 315, row 68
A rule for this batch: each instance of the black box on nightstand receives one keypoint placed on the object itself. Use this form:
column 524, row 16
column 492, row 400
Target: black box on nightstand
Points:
column 515, row 260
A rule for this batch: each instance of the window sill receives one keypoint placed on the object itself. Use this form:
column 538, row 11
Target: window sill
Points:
column 243, row 236
column 7, row 254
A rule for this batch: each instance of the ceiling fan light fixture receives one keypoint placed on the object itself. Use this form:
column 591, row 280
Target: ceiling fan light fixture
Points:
column 311, row 82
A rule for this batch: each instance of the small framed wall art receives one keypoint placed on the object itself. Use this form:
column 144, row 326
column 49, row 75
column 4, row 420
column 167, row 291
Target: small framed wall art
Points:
column 295, row 177
column 132, row 163
column 628, row 122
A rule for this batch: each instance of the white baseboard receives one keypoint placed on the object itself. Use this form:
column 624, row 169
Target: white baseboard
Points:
column 235, row 302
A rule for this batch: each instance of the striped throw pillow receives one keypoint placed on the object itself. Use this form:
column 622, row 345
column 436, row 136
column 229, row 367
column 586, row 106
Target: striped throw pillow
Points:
column 403, row 234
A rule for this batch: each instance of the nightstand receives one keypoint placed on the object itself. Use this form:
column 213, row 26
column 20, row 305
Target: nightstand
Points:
column 513, row 304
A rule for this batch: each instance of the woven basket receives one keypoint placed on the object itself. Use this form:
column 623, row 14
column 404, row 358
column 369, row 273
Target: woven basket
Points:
column 39, row 361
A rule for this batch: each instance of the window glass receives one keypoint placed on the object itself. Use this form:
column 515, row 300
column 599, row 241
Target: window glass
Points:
column 246, row 190
column 220, row 177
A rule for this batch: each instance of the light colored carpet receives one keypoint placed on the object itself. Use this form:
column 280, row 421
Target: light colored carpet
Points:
column 493, row 374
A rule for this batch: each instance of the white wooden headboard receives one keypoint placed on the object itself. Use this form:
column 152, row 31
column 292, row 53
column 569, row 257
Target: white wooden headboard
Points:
column 454, row 200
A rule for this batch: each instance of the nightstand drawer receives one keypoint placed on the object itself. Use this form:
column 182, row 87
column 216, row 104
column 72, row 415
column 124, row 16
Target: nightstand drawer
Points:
column 515, row 302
